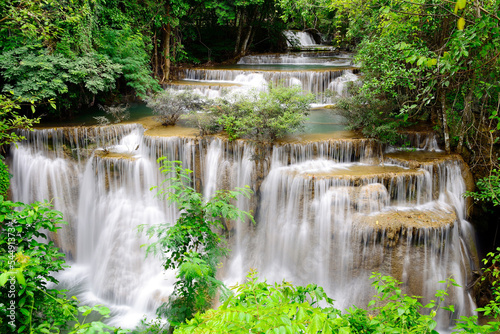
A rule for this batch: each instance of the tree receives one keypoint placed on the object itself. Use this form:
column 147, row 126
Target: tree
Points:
column 413, row 55
column 170, row 105
column 192, row 245
column 71, row 52
column 266, row 116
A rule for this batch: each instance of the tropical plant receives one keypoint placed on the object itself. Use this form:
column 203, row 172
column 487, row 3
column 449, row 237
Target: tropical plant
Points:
column 258, row 307
column 29, row 264
column 192, row 245
column 415, row 55
column 488, row 189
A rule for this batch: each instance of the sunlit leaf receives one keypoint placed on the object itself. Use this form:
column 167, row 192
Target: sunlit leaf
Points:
column 461, row 23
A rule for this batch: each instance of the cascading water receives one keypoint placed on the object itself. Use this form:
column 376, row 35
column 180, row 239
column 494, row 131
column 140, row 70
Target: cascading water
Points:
column 328, row 211
column 301, row 58
column 299, row 38
column 315, row 72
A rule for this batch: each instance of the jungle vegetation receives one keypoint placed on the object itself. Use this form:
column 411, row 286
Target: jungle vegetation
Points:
column 426, row 61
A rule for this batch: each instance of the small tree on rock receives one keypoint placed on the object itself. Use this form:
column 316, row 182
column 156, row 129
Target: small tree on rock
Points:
column 170, row 105
column 267, row 116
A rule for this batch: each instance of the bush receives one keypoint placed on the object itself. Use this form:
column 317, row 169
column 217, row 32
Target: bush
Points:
column 192, row 244
column 258, row 307
column 170, row 105
column 266, row 116
column 374, row 117
column 27, row 265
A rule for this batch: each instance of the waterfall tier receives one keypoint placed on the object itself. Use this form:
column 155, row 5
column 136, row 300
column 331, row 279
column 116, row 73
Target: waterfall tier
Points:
column 328, row 211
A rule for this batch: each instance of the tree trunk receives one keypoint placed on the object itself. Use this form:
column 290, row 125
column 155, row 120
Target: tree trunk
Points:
column 466, row 116
column 252, row 35
column 155, row 43
column 166, row 47
column 244, row 46
column 446, row 131
column 241, row 21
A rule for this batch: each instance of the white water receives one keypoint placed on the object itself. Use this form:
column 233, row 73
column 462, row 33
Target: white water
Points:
column 299, row 38
column 311, row 214
column 303, row 58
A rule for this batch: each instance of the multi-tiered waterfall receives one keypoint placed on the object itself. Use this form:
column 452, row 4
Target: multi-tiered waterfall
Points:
column 330, row 208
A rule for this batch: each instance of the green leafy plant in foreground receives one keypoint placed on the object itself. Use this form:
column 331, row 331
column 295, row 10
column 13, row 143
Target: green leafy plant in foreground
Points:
column 259, row 307
column 192, row 245
column 28, row 302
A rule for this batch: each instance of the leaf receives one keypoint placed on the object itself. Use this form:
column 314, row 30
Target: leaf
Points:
column 461, row 4
column 20, row 278
column 431, row 62
column 461, row 23
column 3, row 278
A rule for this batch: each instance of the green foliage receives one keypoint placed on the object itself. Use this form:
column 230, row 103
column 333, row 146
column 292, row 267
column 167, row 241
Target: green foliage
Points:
column 36, row 75
column 4, row 178
column 412, row 55
column 400, row 312
column 72, row 51
column 170, row 105
column 488, row 284
column 375, row 117
column 11, row 120
column 488, row 189
column 266, row 116
column 192, row 244
column 283, row 308
column 206, row 122
column 308, row 14
column 27, row 266
column 127, row 48
column 258, row 307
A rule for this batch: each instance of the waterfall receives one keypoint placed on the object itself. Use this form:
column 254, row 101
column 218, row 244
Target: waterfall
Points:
column 327, row 212
column 299, row 38
column 302, row 58
column 316, row 82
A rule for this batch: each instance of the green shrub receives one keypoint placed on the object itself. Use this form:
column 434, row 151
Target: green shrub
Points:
column 259, row 307
column 374, row 117
column 266, row 116
column 192, row 244
column 4, row 178
column 170, row 105
column 27, row 265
